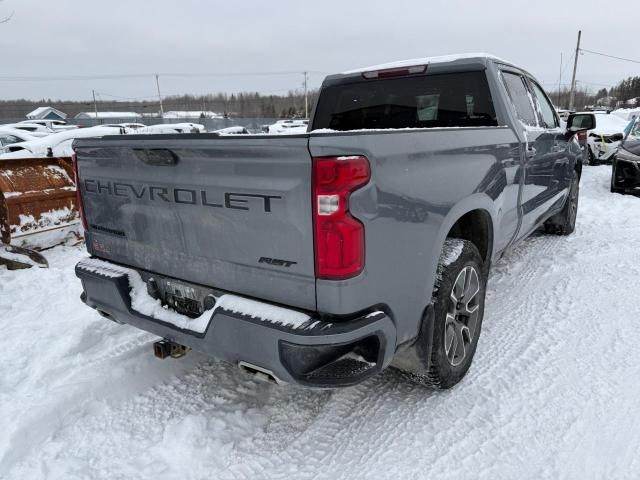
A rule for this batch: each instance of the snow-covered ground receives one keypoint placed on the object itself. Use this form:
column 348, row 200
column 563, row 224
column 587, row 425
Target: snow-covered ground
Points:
column 553, row 391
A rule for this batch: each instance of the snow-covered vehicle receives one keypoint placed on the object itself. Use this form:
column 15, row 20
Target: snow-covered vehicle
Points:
column 10, row 135
column 238, row 130
column 564, row 114
column 625, row 171
column 603, row 141
column 128, row 125
column 167, row 128
column 53, row 125
column 55, row 144
column 284, row 127
column 322, row 258
column 33, row 129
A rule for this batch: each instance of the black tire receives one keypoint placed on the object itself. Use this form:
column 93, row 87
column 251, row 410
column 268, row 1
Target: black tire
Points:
column 592, row 157
column 455, row 331
column 615, row 189
column 564, row 223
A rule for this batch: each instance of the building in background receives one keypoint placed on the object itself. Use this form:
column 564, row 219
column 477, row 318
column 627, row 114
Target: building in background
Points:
column 46, row 113
column 107, row 115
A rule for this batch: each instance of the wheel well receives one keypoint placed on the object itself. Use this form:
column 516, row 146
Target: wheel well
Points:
column 476, row 227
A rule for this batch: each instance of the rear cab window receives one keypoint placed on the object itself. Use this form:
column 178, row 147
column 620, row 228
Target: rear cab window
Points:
column 459, row 99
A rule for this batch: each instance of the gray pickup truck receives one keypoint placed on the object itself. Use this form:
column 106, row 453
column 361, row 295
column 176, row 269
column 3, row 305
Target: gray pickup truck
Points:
column 324, row 257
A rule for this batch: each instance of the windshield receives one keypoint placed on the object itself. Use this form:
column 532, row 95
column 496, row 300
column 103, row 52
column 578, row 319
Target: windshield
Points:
column 634, row 132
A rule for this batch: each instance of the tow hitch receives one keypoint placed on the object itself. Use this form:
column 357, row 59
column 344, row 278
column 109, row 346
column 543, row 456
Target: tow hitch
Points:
column 166, row 348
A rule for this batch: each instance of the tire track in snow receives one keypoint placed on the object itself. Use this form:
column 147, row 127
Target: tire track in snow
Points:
column 551, row 393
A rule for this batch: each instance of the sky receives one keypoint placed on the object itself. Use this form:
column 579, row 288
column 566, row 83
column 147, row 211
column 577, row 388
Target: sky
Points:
column 264, row 46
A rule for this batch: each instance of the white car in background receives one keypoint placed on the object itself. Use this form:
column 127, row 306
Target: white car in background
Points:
column 9, row 136
column 238, row 130
column 53, row 125
column 56, row 144
column 604, row 140
column 131, row 126
column 172, row 128
column 284, row 127
column 33, row 129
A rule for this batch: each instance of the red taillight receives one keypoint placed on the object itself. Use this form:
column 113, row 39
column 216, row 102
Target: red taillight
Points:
column 339, row 238
column 74, row 157
column 582, row 136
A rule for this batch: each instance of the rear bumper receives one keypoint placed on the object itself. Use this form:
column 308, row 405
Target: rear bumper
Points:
column 319, row 353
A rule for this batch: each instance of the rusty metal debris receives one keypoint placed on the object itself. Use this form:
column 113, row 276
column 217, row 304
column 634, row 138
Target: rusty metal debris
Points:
column 37, row 203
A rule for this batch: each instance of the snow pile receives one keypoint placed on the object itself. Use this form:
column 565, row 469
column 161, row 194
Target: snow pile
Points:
column 552, row 392
column 262, row 311
column 626, row 113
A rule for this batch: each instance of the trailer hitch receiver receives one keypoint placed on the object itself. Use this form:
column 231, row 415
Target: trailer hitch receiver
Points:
column 166, row 348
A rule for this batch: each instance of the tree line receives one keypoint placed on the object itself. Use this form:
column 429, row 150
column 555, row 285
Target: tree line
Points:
column 584, row 97
column 243, row 104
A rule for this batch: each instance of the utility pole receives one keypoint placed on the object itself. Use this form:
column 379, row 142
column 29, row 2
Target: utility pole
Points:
column 306, row 96
column 159, row 96
column 95, row 104
column 573, row 78
column 560, row 81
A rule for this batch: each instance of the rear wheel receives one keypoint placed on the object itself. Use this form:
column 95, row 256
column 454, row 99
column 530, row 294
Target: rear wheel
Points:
column 458, row 307
column 564, row 223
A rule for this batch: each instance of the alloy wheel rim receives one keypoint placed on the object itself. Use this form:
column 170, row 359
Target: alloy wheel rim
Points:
column 462, row 315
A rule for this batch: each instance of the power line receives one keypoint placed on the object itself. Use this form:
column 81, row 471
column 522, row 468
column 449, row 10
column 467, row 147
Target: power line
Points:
column 124, row 76
column 610, row 56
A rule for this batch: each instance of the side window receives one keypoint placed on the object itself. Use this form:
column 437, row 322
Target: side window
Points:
column 8, row 140
column 520, row 98
column 544, row 106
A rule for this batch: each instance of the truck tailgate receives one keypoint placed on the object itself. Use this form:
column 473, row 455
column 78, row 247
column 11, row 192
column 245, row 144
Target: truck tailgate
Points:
column 226, row 212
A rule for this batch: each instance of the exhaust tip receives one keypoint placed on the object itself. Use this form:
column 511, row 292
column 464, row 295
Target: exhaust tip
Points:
column 260, row 373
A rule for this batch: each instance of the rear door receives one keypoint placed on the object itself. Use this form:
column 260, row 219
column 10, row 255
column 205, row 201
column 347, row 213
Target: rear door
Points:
column 230, row 213
column 540, row 189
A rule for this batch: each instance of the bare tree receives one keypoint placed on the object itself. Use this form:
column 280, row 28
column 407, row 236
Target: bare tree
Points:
column 6, row 19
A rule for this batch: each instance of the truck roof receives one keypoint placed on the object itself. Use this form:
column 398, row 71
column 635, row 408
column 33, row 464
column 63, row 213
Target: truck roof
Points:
column 458, row 58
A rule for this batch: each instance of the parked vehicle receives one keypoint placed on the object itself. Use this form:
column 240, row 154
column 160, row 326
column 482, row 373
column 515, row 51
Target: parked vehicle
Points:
column 10, row 136
column 564, row 114
column 625, row 172
column 238, row 130
column 287, row 127
column 324, row 257
column 168, row 128
column 33, row 129
column 53, row 125
column 56, row 144
column 128, row 125
column 604, row 139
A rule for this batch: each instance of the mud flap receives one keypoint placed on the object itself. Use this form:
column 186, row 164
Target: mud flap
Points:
column 17, row 258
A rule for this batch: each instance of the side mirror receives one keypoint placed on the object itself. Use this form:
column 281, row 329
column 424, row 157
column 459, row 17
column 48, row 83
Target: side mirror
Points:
column 580, row 122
